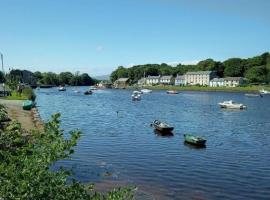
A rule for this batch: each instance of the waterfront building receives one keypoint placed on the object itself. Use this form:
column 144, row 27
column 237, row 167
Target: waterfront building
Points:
column 217, row 82
column 121, row 83
column 142, row 81
column 152, row 80
column 166, row 80
column 233, row 81
column 179, row 80
column 199, row 77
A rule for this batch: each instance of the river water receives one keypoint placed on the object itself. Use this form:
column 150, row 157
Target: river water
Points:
column 118, row 147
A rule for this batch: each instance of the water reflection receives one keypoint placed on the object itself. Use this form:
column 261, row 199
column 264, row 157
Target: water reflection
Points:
column 163, row 134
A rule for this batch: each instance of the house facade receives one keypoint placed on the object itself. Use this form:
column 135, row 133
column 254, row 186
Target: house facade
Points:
column 179, row 80
column 121, row 83
column 166, row 80
column 199, row 77
column 233, row 81
column 142, row 81
column 152, row 80
column 217, row 82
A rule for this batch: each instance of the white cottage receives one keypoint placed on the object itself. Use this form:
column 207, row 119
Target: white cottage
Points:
column 217, row 82
column 199, row 77
column 233, row 81
column 152, row 80
column 179, row 80
column 166, row 80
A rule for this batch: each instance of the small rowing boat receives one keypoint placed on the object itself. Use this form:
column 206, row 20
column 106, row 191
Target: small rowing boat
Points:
column 172, row 92
column 195, row 140
column 162, row 126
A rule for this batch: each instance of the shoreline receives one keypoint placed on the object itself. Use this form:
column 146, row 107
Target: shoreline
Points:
column 250, row 89
column 30, row 120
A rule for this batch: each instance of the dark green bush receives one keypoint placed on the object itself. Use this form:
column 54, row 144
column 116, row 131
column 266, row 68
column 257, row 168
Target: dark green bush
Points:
column 29, row 93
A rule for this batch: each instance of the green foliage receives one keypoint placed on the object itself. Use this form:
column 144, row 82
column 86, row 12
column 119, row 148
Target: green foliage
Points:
column 233, row 67
column 256, row 74
column 25, row 164
column 29, row 93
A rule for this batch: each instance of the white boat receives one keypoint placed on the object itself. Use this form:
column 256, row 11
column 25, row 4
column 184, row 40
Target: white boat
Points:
column 232, row 105
column 263, row 91
column 61, row 88
column 146, row 91
column 253, row 95
column 172, row 92
column 138, row 92
column 136, row 96
column 93, row 88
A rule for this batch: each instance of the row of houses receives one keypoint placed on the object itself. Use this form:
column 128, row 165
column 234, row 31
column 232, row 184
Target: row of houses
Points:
column 203, row 78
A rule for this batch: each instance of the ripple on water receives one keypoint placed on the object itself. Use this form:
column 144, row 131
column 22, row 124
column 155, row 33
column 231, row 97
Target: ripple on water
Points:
column 119, row 146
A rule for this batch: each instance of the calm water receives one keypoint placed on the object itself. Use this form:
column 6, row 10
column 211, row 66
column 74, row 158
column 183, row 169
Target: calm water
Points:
column 123, row 148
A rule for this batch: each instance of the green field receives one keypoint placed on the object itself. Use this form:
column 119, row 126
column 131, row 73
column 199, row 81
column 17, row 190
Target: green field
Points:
column 16, row 96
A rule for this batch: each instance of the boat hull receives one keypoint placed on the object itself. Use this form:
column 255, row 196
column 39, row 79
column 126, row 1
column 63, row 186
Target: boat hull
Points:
column 194, row 140
column 163, row 129
column 27, row 105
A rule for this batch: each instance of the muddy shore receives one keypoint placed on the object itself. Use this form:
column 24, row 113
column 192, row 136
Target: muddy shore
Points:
column 29, row 119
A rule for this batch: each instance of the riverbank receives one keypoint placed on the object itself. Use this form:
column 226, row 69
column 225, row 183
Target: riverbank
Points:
column 29, row 120
column 252, row 89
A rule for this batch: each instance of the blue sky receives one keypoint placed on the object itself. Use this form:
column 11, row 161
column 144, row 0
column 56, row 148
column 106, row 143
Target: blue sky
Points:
column 96, row 36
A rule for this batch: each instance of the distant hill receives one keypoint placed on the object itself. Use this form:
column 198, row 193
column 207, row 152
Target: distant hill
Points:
column 103, row 77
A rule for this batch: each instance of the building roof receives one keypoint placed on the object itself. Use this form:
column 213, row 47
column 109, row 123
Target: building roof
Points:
column 217, row 80
column 153, row 77
column 165, row 77
column 199, row 73
column 180, row 77
column 233, row 78
column 122, row 80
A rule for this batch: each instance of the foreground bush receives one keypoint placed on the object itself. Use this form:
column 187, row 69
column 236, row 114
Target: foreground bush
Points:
column 26, row 160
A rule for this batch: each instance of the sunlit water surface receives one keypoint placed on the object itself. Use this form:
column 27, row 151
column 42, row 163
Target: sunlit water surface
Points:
column 118, row 146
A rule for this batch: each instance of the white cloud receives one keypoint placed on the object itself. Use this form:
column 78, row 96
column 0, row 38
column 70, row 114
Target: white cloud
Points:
column 190, row 62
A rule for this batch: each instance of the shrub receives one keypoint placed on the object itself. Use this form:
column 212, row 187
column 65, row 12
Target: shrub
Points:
column 25, row 165
column 29, row 93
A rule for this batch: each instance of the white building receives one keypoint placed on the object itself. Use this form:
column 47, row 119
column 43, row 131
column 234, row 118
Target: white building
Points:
column 152, row 80
column 179, row 80
column 142, row 81
column 217, row 82
column 233, row 81
column 166, row 80
column 199, row 77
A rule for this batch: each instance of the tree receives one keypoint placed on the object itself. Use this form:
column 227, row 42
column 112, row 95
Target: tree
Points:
column 65, row 78
column 86, row 80
column 256, row 74
column 2, row 77
column 233, row 67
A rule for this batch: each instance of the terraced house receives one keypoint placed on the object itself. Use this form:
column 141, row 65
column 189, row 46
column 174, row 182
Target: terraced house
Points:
column 199, row 77
column 166, row 80
column 152, row 80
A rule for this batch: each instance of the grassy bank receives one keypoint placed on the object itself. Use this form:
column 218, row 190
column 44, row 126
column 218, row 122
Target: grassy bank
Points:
column 211, row 89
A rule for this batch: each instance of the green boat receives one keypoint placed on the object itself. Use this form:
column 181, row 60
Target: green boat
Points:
column 27, row 105
column 195, row 140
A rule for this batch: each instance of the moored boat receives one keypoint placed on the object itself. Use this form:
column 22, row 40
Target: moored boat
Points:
column 88, row 92
column 136, row 96
column 146, row 91
column 195, row 140
column 93, row 88
column 172, row 92
column 162, row 126
column 27, row 105
column 263, row 91
column 253, row 95
column 61, row 88
column 231, row 105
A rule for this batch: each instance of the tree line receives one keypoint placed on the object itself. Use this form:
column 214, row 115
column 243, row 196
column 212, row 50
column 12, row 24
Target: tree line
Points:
column 255, row 69
column 48, row 78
